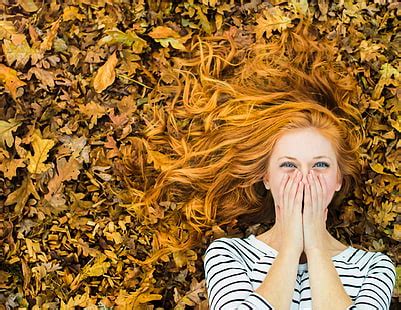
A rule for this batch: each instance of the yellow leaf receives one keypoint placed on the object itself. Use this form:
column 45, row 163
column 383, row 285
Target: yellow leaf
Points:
column 377, row 167
column 7, row 29
column 10, row 80
column 50, row 36
column 299, row 6
column 273, row 19
column 387, row 72
column 21, row 195
column 105, row 75
column 71, row 13
column 160, row 161
column 41, row 148
column 17, row 49
column 98, row 269
column 6, row 132
column 128, row 38
column 385, row 214
column 165, row 36
column 397, row 232
column 28, row 5
column 9, row 166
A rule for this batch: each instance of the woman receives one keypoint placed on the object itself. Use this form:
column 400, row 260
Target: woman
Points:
column 229, row 122
column 297, row 264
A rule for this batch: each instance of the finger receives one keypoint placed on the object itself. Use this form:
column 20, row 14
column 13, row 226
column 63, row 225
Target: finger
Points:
column 319, row 196
column 307, row 199
column 324, row 191
column 313, row 192
column 293, row 189
column 288, row 187
column 283, row 182
column 299, row 195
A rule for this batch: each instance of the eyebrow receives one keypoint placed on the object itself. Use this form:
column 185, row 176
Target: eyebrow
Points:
column 316, row 157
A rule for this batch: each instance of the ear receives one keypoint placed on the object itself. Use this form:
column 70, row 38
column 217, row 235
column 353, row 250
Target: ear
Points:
column 266, row 182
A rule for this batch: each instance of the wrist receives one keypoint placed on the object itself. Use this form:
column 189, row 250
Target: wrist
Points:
column 316, row 251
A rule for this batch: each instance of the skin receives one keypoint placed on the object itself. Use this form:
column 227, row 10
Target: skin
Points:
column 302, row 189
column 304, row 145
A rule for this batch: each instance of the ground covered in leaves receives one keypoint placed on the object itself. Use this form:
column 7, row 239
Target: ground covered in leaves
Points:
column 74, row 83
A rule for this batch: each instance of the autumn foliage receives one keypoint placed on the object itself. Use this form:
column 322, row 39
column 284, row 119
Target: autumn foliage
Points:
column 77, row 96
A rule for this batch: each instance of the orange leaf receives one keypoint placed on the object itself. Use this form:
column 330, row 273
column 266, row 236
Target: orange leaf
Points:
column 105, row 75
column 10, row 80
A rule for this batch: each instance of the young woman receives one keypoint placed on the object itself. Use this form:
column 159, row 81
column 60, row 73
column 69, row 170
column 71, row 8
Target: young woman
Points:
column 269, row 131
column 297, row 264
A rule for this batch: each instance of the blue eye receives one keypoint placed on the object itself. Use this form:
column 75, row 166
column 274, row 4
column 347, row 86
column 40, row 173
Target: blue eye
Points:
column 320, row 162
column 287, row 162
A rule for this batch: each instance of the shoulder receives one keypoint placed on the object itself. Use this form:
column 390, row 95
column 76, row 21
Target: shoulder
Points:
column 232, row 247
column 368, row 260
column 223, row 245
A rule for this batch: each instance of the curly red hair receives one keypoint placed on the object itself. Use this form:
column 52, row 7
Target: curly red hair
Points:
column 224, row 108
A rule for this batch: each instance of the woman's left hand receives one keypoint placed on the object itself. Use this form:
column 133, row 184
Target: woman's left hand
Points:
column 315, row 213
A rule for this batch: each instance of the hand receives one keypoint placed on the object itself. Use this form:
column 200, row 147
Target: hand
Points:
column 315, row 213
column 289, row 213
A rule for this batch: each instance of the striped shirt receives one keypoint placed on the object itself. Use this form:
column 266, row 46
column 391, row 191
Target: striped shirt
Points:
column 235, row 267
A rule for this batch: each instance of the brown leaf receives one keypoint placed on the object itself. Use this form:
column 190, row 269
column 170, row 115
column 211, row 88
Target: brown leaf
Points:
column 21, row 195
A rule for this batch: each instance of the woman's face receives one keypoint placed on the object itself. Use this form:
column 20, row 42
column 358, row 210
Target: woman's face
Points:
column 304, row 150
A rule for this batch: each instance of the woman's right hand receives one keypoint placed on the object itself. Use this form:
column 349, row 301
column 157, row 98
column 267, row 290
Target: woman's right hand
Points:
column 289, row 213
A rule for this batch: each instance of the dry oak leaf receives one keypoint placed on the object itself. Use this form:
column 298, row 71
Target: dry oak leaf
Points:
column 28, row 5
column 41, row 148
column 106, row 74
column 6, row 132
column 273, row 19
column 10, row 80
column 72, row 13
column 21, row 195
column 50, row 36
column 397, row 232
column 17, row 50
column 191, row 298
column 165, row 36
column 388, row 76
column 133, row 300
column 9, row 165
column 67, row 170
column 7, row 29
column 44, row 76
column 385, row 214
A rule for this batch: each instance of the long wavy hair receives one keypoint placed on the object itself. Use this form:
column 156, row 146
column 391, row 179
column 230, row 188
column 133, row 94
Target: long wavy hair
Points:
column 218, row 113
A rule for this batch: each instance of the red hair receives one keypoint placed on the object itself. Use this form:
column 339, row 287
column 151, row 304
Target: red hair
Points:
column 223, row 110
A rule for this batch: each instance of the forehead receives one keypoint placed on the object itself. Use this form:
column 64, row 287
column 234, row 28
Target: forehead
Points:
column 303, row 142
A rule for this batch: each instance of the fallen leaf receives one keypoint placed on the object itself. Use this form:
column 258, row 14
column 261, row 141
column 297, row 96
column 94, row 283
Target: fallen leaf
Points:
column 6, row 132
column 28, row 5
column 106, row 74
column 17, row 50
column 20, row 196
column 10, row 80
column 41, row 148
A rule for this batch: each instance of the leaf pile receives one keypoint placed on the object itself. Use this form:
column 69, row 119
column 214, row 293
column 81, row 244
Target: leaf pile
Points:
column 75, row 77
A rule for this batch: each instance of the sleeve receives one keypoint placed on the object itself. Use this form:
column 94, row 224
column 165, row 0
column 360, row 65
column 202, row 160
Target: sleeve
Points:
column 227, row 282
column 377, row 289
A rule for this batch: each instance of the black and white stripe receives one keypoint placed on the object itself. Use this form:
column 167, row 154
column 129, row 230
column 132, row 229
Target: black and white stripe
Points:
column 234, row 269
